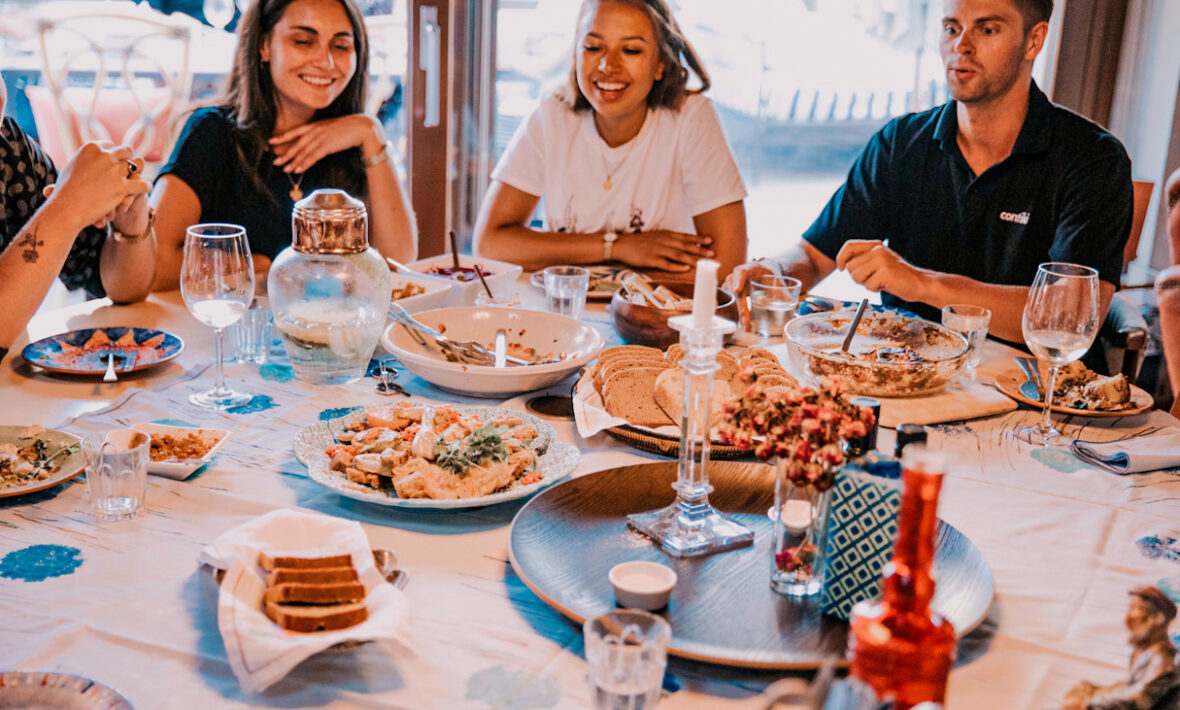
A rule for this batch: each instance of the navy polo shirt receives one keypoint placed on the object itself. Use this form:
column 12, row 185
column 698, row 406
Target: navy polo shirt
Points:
column 1063, row 194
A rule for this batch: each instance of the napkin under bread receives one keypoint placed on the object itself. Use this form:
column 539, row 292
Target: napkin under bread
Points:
column 259, row 651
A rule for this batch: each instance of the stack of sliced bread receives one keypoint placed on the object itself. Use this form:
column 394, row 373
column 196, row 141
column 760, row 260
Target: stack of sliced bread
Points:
column 645, row 385
column 312, row 590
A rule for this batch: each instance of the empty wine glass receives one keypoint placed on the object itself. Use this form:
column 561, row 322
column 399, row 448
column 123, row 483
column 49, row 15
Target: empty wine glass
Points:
column 218, row 13
column 1059, row 324
column 217, row 283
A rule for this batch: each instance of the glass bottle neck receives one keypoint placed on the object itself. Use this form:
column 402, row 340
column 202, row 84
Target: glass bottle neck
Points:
column 908, row 584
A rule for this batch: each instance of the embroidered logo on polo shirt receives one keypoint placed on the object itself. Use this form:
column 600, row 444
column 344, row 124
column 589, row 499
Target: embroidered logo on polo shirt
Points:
column 1015, row 217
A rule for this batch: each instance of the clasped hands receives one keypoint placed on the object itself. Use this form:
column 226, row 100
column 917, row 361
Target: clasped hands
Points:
column 104, row 183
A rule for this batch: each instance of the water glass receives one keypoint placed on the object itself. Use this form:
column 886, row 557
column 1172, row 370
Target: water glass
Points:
column 116, row 472
column 565, row 289
column 250, row 337
column 627, row 652
column 773, row 300
column 502, row 300
column 971, row 322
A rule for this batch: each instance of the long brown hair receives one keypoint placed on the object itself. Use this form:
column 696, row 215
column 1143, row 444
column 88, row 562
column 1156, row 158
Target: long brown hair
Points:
column 254, row 104
column 675, row 52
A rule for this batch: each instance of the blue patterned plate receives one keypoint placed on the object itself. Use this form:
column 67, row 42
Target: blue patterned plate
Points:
column 85, row 352
column 56, row 690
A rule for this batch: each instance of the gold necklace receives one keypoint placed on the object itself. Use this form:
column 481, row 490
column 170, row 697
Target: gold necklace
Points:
column 295, row 193
column 606, row 167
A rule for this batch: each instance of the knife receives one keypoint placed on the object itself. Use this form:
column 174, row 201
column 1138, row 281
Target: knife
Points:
column 1031, row 387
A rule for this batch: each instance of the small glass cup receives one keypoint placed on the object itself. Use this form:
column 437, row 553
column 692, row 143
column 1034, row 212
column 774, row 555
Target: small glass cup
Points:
column 250, row 338
column 971, row 322
column 501, row 300
column 116, row 472
column 627, row 652
column 565, row 289
column 773, row 300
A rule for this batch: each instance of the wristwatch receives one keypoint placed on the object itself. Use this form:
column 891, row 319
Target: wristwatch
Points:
column 608, row 241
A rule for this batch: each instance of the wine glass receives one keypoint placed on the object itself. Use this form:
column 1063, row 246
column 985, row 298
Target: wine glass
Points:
column 1059, row 324
column 217, row 283
column 218, row 13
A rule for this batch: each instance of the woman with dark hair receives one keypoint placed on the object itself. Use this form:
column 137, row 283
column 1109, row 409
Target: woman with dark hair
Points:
column 291, row 122
column 632, row 164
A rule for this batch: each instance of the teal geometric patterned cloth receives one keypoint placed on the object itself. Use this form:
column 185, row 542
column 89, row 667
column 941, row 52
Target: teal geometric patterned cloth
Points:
column 861, row 529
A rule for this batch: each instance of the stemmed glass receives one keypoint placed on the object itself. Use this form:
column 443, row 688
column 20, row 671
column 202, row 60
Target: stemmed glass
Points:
column 217, row 283
column 1059, row 325
column 218, row 13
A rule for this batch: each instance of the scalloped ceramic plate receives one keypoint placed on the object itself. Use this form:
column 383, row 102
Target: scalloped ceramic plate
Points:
column 557, row 462
column 73, row 465
column 84, row 352
column 19, row 689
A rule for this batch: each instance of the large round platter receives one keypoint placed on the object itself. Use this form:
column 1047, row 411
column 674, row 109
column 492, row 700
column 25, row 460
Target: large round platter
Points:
column 19, row 689
column 134, row 349
column 72, row 464
column 557, row 462
column 1009, row 383
column 564, row 541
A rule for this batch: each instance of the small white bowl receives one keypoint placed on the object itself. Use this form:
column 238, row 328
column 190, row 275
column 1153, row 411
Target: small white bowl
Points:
column 463, row 292
column 642, row 585
column 180, row 469
column 436, row 294
column 546, row 332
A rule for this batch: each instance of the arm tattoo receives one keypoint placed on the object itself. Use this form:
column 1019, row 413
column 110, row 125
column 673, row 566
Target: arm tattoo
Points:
column 31, row 243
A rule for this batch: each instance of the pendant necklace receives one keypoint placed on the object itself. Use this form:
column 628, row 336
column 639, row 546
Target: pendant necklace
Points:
column 295, row 193
column 606, row 166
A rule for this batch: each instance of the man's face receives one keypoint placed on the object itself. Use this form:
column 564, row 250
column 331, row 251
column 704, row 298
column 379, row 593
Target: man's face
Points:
column 985, row 48
column 1141, row 621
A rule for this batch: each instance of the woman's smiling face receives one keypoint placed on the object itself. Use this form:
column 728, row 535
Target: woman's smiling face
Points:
column 618, row 59
column 312, row 56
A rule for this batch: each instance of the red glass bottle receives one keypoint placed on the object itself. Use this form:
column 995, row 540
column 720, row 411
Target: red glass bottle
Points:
column 898, row 645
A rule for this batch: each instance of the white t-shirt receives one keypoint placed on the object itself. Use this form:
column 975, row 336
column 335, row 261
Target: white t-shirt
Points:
column 678, row 166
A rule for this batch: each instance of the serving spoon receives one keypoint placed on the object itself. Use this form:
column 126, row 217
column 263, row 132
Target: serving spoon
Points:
column 860, row 312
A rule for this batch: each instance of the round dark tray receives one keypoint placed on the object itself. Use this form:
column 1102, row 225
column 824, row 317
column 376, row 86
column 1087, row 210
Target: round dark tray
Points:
column 565, row 540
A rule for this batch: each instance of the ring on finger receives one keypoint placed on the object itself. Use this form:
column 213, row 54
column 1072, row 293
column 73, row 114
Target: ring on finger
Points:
column 132, row 168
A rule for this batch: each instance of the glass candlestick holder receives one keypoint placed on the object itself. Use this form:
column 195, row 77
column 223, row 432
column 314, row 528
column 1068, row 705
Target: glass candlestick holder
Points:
column 691, row 526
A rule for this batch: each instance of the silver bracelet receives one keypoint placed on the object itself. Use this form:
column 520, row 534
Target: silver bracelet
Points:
column 380, row 157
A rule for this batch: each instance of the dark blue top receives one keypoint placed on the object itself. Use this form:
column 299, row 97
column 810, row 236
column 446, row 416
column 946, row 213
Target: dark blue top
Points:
column 212, row 156
column 1063, row 194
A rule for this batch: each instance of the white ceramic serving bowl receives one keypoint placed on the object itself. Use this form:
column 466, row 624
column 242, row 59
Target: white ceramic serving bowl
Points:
column 435, row 296
column 463, row 292
column 642, row 585
column 546, row 332
column 181, row 469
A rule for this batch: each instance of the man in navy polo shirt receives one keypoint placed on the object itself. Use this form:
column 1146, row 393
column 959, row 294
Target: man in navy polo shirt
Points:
column 959, row 204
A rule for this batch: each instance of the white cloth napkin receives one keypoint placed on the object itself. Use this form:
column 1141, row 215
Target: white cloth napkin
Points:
column 260, row 652
column 1144, row 453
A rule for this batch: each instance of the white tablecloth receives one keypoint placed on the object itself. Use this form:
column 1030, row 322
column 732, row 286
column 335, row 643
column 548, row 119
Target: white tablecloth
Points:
column 139, row 615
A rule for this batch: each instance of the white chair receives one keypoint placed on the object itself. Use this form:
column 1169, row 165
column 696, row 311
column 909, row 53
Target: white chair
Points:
column 111, row 71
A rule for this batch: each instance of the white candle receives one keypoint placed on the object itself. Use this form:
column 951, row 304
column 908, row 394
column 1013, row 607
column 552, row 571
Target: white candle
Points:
column 704, row 295
column 796, row 516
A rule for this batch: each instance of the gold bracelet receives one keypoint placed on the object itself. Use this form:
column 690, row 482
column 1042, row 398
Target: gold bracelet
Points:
column 380, row 157
column 133, row 238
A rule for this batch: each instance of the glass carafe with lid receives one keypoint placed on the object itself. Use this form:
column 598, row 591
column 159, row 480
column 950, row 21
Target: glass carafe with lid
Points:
column 329, row 290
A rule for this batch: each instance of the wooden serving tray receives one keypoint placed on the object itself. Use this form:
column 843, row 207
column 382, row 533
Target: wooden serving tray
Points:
column 565, row 540
column 655, row 443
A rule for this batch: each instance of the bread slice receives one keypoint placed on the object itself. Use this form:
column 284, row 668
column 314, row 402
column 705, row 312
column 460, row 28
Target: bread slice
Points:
column 629, row 351
column 326, row 575
column 760, row 354
column 312, row 558
column 620, row 364
column 675, row 354
column 316, row 593
column 669, row 395
column 316, row 618
column 630, row 394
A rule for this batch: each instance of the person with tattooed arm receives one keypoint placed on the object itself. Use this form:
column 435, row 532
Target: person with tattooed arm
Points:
column 90, row 225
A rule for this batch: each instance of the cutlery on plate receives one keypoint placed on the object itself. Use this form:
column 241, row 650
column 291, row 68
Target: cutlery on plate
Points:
column 109, row 375
column 501, row 348
column 1031, row 387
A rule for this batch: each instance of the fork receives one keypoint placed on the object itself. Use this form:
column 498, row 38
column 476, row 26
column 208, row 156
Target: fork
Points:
column 471, row 351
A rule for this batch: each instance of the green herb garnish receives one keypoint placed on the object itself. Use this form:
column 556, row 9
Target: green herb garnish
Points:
column 486, row 442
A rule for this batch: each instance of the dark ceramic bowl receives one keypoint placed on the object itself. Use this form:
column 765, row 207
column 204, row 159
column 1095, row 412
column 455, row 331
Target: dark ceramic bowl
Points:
column 648, row 325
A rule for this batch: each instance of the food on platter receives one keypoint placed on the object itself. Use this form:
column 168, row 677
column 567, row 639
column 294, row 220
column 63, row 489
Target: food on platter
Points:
column 462, row 273
column 641, row 291
column 99, row 341
column 23, row 463
column 892, row 355
column 423, row 451
column 645, row 385
column 407, row 290
column 1079, row 387
column 193, row 445
column 312, row 590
